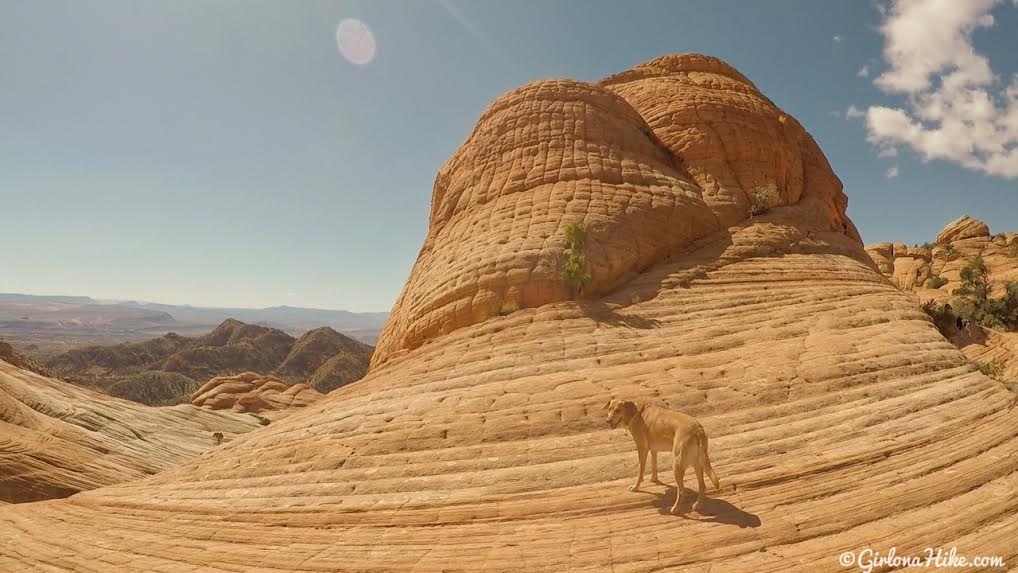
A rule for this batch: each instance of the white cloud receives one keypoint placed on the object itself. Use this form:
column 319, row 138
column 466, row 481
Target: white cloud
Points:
column 837, row 39
column 954, row 108
column 854, row 113
column 892, row 172
column 863, row 71
column 888, row 152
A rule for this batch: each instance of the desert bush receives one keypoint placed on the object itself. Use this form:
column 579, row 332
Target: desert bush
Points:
column 1012, row 251
column 973, row 293
column 974, row 303
column 575, row 272
column 763, row 199
column 936, row 282
column 508, row 306
column 263, row 420
column 951, row 252
column 993, row 369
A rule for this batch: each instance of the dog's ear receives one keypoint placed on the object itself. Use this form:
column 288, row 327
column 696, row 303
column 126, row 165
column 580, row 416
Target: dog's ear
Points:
column 628, row 410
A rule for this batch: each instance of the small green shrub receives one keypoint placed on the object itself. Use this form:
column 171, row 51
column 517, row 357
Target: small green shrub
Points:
column 994, row 369
column 508, row 306
column 575, row 272
column 763, row 199
column 928, row 246
column 263, row 420
column 950, row 252
column 936, row 282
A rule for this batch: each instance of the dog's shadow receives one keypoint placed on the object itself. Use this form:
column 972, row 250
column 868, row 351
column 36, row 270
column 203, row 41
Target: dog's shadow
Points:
column 713, row 510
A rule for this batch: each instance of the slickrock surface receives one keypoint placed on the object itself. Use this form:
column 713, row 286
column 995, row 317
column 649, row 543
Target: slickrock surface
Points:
column 57, row 439
column 252, row 392
column 839, row 417
column 991, row 347
column 910, row 268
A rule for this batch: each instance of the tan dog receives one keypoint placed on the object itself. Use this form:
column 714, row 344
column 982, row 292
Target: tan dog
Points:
column 656, row 429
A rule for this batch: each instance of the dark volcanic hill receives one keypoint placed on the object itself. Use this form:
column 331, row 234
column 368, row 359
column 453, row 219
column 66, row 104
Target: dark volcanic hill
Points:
column 166, row 370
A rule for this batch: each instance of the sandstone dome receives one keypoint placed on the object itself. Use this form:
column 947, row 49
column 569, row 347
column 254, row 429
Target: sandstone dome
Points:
column 840, row 419
column 651, row 159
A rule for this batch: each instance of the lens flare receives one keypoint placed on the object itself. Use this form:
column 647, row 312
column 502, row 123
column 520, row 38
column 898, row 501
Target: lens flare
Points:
column 356, row 42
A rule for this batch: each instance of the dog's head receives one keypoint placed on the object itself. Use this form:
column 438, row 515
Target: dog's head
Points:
column 620, row 411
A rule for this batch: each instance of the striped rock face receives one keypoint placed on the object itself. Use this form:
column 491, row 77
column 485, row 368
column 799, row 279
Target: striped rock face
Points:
column 57, row 439
column 839, row 418
column 650, row 160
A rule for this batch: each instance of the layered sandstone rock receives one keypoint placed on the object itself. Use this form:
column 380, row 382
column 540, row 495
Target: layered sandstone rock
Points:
column 998, row 350
column 963, row 227
column 828, row 396
column 252, row 392
column 57, row 439
column 912, row 268
column 649, row 160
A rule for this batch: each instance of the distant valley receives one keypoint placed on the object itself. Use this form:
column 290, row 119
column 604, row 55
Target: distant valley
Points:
column 166, row 370
column 46, row 325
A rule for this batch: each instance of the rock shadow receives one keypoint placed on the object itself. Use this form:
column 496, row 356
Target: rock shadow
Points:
column 601, row 313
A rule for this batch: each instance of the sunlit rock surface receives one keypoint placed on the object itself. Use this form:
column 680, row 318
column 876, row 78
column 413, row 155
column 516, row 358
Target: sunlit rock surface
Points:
column 839, row 417
column 57, row 439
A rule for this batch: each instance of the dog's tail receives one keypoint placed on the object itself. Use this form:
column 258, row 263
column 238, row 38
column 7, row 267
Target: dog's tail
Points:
column 701, row 437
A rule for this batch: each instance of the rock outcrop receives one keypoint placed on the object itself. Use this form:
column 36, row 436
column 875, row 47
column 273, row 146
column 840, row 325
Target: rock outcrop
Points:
column 251, row 392
column 962, row 228
column 933, row 271
column 477, row 441
column 57, row 439
column 996, row 350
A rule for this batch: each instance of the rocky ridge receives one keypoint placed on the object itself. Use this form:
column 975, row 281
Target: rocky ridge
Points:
column 168, row 369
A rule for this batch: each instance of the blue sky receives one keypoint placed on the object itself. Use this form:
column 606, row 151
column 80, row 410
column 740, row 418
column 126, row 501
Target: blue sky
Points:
column 225, row 153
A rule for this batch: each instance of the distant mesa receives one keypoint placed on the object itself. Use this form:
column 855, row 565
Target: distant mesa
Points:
column 55, row 324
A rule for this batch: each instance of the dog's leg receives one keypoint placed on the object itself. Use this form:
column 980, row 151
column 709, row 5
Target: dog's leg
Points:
column 642, row 453
column 698, row 466
column 679, row 464
column 653, row 467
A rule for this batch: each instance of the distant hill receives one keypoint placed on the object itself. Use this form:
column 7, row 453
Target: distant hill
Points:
column 51, row 324
column 167, row 369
